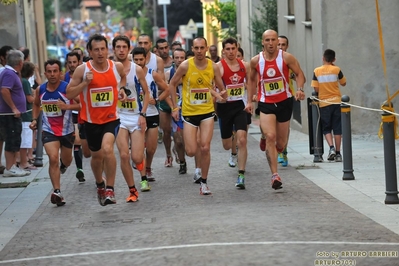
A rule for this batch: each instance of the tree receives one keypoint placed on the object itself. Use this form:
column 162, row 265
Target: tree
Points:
column 267, row 20
column 225, row 15
column 8, row 2
column 127, row 8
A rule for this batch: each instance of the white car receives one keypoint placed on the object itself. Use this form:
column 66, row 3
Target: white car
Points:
column 57, row 52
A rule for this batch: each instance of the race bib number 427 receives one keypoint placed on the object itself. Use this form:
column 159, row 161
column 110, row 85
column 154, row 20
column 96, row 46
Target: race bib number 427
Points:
column 102, row 97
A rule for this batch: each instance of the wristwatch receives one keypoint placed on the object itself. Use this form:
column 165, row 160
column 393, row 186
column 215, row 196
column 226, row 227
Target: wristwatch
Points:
column 127, row 91
column 143, row 114
column 301, row 89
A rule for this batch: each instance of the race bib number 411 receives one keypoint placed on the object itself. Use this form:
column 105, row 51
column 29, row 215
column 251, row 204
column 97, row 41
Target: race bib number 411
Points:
column 102, row 97
column 199, row 96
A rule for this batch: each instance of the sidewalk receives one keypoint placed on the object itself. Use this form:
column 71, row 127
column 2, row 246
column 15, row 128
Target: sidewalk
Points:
column 173, row 225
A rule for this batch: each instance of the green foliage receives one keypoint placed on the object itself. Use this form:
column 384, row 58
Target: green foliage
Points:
column 267, row 20
column 127, row 8
column 48, row 16
column 145, row 24
column 8, row 2
column 225, row 15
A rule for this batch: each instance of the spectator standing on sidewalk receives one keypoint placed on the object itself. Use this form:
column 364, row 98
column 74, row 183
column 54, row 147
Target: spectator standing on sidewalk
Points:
column 326, row 80
column 3, row 61
column 12, row 105
column 27, row 134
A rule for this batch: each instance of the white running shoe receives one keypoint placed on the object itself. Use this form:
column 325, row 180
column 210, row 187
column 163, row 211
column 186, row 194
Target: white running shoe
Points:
column 204, row 190
column 233, row 160
column 15, row 172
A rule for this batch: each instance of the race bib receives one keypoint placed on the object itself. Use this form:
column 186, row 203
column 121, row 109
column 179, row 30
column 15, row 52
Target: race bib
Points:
column 102, row 97
column 51, row 109
column 235, row 92
column 199, row 96
column 130, row 105
column 273, row 86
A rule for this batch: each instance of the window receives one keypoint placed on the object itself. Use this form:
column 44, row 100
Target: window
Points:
column 291, row 9
column 308, row 10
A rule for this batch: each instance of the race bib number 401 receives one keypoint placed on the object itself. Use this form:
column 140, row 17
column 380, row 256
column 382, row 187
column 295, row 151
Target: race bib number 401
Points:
column 199, row 96
column 102, row 97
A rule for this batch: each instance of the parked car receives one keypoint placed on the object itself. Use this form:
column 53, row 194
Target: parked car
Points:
column 57, row 52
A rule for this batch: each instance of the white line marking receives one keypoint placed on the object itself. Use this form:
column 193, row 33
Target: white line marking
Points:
column 201, row 245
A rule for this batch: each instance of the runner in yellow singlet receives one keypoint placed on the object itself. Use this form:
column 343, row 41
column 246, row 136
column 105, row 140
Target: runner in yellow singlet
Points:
column 198, row 74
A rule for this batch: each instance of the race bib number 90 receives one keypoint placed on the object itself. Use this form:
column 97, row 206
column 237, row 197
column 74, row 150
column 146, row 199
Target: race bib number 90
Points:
column 273, row 86
column 199, row 96
column 235, row 92
column 51, row 109
column 102, row 97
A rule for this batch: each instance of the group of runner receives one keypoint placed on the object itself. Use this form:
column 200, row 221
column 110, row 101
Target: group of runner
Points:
column 127, row 100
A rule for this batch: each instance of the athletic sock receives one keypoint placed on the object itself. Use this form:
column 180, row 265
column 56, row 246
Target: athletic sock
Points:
column 77, row 154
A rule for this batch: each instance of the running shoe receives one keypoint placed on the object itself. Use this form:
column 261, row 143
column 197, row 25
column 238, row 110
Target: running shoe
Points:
column 280, row 158
column 133, row 196
column 262, row 144
column 14, row 172
column 204, row 190
column 284, row 161
column 80, row 175
column 145, row 186
column 150, row 176
column 338, row 158
column 168, row 161
column 109, row 197
column 233, row 160
column 57, row 198
column 331, row 154
column 276, row 182
column 63, row 169
column 240, row 181
column 160, row 137
column 197, row 177
column 101, row 195
column 183, row 168
column 176, row 155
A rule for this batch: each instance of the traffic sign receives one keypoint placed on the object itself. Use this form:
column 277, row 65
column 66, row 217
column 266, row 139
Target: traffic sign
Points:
column 163, row 33
column 179, row 38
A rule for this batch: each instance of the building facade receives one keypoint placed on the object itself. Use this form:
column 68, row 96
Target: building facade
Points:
column 350, row 28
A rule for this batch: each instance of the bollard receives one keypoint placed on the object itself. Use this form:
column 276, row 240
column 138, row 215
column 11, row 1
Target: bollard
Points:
column 391, row 182
column 39, row 143
column 317, row 134
column 346, row 139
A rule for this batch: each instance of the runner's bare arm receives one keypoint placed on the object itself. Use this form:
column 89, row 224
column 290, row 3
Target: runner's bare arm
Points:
column 161, row 85
column 293, row 64
column 35, row 111
column 174, row 82
column 253, row 74
column 141, row 77
column 222, row 95
column 121, row 95
column 78, row 82
column 161, row 67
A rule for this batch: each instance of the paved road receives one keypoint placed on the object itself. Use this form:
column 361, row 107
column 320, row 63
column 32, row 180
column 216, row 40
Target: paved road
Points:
column 173, row 225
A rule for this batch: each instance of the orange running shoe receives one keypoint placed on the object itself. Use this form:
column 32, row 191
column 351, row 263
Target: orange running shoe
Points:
column 140, row 166
column 276, row 182
column 133, row 196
